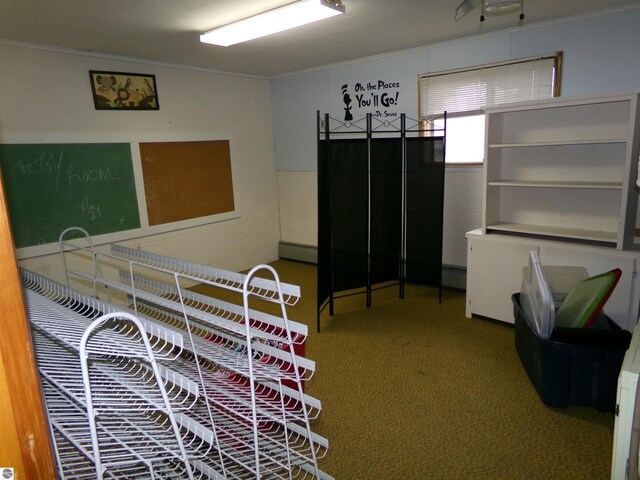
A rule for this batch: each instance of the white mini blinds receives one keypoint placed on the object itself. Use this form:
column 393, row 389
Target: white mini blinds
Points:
column 471, row 90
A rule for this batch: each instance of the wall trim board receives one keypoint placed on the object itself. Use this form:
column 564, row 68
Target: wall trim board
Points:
column 295, row 251
column 145, row 228
column 140, row 61
column 452, row 276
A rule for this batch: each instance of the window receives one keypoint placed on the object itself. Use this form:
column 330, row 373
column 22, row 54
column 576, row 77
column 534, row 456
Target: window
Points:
column 464, row 94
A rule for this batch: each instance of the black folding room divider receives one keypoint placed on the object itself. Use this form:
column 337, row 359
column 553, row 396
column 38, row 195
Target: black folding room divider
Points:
column 380, row 200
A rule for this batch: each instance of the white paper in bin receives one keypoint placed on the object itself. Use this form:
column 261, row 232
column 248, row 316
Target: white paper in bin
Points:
column 543, row 290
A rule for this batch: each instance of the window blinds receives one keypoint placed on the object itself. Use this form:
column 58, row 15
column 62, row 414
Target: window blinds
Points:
column 474, row 89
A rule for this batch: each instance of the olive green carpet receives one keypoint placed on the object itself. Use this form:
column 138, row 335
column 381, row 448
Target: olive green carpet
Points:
column 412, row 389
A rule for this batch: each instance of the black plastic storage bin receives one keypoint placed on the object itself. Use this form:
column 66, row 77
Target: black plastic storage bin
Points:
column 577, row 366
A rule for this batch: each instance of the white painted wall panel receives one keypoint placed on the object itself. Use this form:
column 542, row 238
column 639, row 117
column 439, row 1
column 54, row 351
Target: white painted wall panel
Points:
column 462, row 210
column 298, row 199
column 600, row 56
column 46, row 94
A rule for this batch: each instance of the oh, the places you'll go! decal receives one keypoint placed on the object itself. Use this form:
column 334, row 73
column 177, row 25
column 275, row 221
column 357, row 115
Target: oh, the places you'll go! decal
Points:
column 380, row 98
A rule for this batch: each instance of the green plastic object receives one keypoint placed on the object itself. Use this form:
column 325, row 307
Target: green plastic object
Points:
column 583, row 304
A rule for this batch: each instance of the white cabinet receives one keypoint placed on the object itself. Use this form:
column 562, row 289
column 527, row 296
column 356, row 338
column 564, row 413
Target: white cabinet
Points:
column 626, row 403
column 494, row 273
column 563, row 168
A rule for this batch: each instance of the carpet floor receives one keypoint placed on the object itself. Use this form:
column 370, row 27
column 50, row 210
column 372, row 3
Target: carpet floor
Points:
column 412, row 389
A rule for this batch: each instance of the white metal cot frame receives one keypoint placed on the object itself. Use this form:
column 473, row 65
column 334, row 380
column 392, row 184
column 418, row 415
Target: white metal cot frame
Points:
column 186, row 368
column 177, row 273
column 106, row 396
column 252, row 395
column 265, row 395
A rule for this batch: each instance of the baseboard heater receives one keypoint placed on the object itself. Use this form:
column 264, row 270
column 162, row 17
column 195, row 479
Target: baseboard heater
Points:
column 452, row 276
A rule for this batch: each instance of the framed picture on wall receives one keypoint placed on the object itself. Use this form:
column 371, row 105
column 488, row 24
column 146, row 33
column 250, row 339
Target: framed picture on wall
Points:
column 123, row 91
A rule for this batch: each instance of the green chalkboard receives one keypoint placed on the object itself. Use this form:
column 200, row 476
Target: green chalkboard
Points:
column 50, row 187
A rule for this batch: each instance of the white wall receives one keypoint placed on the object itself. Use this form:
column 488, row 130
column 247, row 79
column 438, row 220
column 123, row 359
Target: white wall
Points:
column 298, row 196
column 601, row 55
column 45, row 96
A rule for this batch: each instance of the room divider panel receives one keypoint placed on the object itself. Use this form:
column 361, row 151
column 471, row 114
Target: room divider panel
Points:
column 380, row 201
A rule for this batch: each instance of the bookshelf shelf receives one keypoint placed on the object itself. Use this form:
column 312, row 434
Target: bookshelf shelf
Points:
column 563, row 168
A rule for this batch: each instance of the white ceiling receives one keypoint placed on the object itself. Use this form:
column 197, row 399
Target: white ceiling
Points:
column 168, row 30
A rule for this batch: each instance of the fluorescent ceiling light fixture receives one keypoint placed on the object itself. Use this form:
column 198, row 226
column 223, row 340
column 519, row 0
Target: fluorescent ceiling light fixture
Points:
column 273, row 21
column 489, row 6
column 501, row 6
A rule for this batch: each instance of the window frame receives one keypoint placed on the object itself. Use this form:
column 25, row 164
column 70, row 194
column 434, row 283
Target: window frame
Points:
column 426, row 120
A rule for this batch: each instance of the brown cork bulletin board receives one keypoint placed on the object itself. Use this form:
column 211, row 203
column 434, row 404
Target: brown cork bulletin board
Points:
column 186, row 180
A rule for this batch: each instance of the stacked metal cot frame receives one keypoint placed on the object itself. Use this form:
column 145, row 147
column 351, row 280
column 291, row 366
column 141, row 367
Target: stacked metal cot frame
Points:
column 144, row 378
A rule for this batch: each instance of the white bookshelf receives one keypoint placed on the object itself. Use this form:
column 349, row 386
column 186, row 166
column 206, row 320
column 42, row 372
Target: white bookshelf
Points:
column 563, row 168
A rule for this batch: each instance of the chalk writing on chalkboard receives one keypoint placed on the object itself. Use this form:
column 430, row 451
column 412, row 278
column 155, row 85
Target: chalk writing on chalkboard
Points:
column 52, row 186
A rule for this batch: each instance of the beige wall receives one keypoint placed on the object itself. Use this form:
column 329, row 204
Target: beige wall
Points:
column 45, row 96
